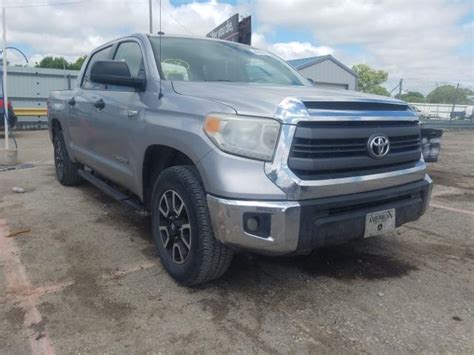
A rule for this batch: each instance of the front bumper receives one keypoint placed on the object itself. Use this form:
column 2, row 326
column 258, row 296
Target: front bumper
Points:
column 297, row 227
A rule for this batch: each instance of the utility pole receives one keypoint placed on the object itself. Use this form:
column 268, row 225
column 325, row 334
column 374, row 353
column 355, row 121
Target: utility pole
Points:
column 454, row 102
column 399, row 86
column 5, row 95
column 150, row 15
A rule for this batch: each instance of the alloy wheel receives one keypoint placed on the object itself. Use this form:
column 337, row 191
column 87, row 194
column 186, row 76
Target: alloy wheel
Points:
column 59, row 157
column 174, row 226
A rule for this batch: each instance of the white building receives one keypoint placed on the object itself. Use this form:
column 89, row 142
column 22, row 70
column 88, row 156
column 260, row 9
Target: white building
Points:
column 326, row 71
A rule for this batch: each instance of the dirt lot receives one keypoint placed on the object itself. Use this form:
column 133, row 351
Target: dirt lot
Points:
column 83, row 277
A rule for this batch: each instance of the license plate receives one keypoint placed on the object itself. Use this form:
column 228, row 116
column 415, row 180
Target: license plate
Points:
column 379, row 222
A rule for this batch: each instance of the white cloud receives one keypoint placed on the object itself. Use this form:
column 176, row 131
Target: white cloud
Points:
column 259, row 40
column 415, row 40
column 292, row 50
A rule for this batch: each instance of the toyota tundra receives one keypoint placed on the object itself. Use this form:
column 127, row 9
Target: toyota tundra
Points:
column 228, row 148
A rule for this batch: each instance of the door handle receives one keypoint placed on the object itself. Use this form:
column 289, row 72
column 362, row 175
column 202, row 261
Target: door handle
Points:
column 132, row 114
column 100, row 104
column 71, row 101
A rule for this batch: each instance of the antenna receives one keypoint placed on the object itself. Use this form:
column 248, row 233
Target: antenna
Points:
column 150, row 15
column 160, row 95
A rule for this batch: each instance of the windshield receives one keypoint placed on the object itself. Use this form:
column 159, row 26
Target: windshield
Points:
column 191, row 59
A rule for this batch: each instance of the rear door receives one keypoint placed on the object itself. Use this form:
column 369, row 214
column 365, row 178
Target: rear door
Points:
column 82, row 121
column 118, row 122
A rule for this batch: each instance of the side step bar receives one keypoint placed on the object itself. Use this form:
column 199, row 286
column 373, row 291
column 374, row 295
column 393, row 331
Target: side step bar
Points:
column 109, row 190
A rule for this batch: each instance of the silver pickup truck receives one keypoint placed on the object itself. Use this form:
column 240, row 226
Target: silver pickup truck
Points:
column 228, row 148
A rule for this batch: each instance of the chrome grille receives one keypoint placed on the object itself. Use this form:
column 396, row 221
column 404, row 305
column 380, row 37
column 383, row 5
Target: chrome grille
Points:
column 323, row 150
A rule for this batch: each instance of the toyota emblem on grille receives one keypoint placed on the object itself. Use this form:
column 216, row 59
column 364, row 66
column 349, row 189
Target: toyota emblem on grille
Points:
column 378, row 146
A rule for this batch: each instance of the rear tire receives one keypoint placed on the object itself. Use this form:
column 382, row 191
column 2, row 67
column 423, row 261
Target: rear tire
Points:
column 66, row 170
column 182, row 228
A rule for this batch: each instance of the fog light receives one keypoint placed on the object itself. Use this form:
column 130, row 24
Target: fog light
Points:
column 252, row 224
column 258, row 224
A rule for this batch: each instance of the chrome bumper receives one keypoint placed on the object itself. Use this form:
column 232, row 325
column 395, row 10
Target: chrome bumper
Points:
column 227, row 222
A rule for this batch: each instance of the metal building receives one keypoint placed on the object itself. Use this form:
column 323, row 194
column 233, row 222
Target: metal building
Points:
column 29, row 88
column 326, row 71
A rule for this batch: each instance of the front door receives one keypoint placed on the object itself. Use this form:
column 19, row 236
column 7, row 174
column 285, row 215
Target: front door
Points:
column 117, row 112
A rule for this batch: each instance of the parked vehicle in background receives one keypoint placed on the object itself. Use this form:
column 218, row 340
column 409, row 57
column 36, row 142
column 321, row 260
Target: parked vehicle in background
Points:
column 458, row 115
column 12, row 119
column 431, row 144
column 229, row 148
column 463, row 113
column 469, row 112
column 421, row 115
column 430, row 138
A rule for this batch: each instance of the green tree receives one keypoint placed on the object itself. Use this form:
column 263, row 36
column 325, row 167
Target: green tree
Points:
column 371, row 80
column 60, row 63
column 447, row 94
column 411, row 96
column 78, row 63
column 53, row 62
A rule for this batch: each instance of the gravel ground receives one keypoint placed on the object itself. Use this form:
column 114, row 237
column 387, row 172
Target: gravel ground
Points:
column 83, row 277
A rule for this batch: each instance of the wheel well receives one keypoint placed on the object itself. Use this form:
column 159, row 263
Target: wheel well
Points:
column 158, row 158
column 55, row 126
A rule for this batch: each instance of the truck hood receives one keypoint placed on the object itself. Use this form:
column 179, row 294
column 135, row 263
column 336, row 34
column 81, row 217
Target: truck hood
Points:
column 263, row 100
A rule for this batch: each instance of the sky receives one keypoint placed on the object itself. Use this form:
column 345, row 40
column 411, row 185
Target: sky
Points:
column 425, row 42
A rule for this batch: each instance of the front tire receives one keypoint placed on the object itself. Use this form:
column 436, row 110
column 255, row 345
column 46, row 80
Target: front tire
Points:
column 182, row 228
column 66, row 170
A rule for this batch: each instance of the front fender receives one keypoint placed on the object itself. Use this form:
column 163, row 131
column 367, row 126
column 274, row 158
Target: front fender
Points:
column 176, row 122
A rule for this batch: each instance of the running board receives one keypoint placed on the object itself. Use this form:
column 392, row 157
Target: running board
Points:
column 109, row 190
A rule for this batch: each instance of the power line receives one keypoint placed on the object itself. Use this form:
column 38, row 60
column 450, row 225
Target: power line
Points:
column 179, row 23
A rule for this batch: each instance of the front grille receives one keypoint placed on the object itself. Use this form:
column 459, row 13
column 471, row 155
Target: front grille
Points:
column 339, row 149
column 366, row 205
column 334, row 148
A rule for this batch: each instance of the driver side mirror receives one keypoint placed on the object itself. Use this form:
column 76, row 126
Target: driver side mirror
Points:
column 311, row 81
column 115, row 72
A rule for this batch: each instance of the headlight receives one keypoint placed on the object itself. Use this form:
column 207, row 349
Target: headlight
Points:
column 251, row 137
